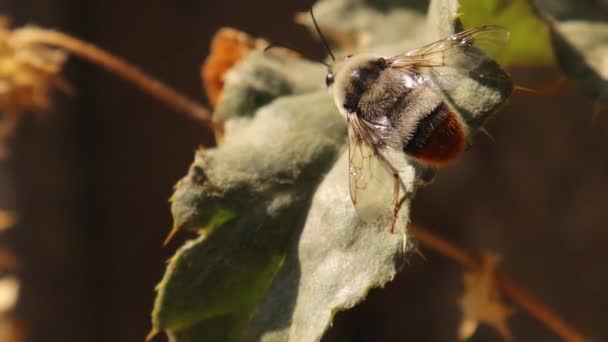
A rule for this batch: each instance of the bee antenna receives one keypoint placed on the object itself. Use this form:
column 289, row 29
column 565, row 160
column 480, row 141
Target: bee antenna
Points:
column 314, row 21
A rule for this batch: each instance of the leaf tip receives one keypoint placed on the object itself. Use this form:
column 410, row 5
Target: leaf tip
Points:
column 152, row 334
column 170, row 236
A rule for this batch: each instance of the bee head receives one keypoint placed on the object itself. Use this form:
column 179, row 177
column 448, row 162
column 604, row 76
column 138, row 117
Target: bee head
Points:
column 331, row 74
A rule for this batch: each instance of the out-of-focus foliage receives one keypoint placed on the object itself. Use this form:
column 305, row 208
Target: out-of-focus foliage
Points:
column 294, row 251
column 579, row 33
column 529, row 43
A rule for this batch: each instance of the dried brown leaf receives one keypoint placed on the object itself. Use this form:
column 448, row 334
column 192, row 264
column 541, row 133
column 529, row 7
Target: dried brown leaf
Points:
column 481, row 301
column 228, row 46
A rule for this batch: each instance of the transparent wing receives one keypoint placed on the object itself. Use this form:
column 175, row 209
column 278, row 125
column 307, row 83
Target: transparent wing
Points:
column 459, row 54
column 371, row 180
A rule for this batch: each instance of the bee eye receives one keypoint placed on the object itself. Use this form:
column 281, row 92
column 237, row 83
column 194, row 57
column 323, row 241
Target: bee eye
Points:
column 329, row 79
column 381, row 62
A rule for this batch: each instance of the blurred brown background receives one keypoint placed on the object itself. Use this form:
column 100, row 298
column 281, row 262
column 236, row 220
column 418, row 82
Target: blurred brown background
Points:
column 91, row 182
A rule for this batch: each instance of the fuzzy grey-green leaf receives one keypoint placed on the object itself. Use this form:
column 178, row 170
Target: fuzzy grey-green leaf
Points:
column 331, row 267
column 265, row 174
column 263, row 77
column 359, row 25
column 289, row 250
column 579, row 33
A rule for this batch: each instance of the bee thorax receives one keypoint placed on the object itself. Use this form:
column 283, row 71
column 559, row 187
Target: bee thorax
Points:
column 356, row 78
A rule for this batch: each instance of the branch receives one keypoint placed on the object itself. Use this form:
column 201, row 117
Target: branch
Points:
column 121, row 68
column 506, row 285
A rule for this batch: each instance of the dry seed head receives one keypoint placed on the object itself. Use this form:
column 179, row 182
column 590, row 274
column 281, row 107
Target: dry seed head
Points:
column 27, row 71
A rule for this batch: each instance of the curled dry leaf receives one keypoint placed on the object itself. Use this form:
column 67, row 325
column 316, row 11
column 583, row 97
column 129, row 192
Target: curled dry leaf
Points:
column 228, row 46
column 481, row 301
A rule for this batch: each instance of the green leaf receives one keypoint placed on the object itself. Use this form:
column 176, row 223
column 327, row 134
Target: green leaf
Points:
column 579, row 33
column 281, row 248
column 529, row 44
column 265, row 171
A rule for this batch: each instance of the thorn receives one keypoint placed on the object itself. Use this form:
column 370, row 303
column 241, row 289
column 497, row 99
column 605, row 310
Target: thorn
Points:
column 170, row 236
column 421, row 255
column 152, row 334
column 485, row 132
column 549, row 87
column 523, row 89
column 419, row 252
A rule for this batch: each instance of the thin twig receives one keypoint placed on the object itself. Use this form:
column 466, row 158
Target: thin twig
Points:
column 550, row 87
column 506, row 285
column 121, row 68
column 536, row 309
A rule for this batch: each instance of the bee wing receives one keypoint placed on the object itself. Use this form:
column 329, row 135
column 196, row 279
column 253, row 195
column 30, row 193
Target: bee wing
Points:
column 459, row 54
column 371, row 181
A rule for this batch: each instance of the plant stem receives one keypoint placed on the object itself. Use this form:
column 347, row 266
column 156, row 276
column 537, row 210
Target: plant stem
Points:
column 121, row 68
column 503, row 282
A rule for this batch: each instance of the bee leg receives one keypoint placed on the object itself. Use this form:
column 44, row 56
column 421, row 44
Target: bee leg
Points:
column 397, row 184
column 397, row 199
column 396, row 202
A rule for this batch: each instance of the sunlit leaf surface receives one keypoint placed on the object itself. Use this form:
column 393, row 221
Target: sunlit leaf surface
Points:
column 294, row 251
